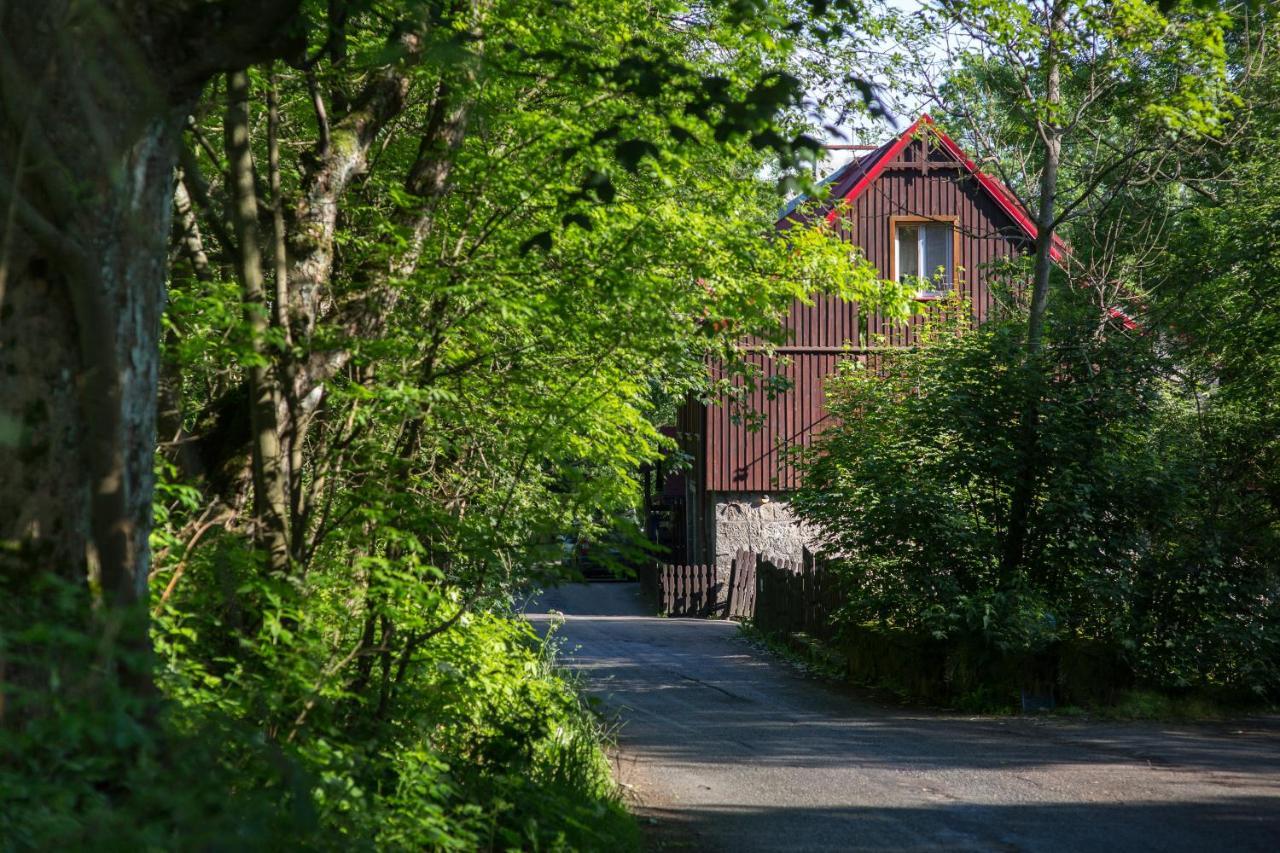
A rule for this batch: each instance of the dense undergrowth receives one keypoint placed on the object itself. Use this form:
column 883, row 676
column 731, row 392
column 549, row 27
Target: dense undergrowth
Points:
column 919, row 671
column 266, row 738
column 1140, row 543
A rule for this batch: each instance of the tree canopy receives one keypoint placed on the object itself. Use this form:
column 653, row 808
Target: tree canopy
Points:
column 1029, row 490
column 326, row 328
column 431, row 275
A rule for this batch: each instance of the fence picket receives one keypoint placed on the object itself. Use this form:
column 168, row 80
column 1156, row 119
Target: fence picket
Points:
column 712, row 593
column 779, row 595
column 686, row 589
column 713, row 590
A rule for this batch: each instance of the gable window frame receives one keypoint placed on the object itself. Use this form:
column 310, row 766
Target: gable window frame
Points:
column 895, row 225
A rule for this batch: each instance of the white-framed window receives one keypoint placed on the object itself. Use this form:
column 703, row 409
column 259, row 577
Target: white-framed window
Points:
column 924, row 251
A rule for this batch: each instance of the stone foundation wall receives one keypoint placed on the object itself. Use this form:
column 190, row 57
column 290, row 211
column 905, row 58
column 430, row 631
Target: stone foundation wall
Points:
column 756, row 521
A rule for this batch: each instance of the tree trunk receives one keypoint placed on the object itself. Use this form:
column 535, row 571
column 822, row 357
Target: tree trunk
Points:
column 270, row 492
column 305, row 257
column 91, row 110
column 1028, row 437
column 82, row 272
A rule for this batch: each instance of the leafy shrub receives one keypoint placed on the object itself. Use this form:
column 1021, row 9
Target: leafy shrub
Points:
column 269, row 737
column 913, row 485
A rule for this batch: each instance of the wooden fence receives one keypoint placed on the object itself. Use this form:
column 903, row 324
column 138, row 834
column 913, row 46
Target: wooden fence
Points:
column 779, row 595
column 795, row 596
column 696, row 590
column 686, row 590
column 742, row 585
column 789, row 597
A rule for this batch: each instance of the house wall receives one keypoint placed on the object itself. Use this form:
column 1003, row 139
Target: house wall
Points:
column 987, row 235
column 737, row 490
column 742, row 457
column 755, row 521
column 691, row 435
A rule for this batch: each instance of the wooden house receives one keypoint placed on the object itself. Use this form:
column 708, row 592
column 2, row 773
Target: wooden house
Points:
column 917, row 206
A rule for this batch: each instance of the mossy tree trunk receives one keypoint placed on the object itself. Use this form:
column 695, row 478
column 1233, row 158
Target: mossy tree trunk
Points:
column 93, row 97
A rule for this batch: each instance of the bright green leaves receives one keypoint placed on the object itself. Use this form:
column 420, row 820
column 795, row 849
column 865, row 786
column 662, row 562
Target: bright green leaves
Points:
column 819, row 261
column 1166, row 59
column 914, row 477
column 519, row 233
column 1144, row 533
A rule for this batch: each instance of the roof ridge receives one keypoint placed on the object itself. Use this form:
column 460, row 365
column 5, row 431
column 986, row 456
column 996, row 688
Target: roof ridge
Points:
column 859, row 174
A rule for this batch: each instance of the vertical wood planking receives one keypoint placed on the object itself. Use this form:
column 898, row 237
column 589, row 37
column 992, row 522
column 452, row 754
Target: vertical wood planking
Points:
column 742, row 585
column 739, row 459
column 789, row 596
column 686, row 589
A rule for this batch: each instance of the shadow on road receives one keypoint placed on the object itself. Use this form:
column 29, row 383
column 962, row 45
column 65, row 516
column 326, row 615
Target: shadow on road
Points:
column 1240, row 825
column 732, row 749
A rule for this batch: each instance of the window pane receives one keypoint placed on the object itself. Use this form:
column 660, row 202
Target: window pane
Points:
column 937, row 254
column 908, row 252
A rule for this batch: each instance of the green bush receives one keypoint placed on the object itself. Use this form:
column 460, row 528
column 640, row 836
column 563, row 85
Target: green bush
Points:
column 1128, row 543
column 281, row 740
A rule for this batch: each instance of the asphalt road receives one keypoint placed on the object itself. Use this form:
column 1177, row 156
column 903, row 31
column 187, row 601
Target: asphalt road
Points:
column 724, row 747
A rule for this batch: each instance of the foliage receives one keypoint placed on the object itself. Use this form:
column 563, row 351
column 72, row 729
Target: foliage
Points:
column 1138, row 461
column 913, row 485
column 430, row 296
column 1210, row 289
column 482, row 746
column 513, row 365
column 1132, row 77
column 427, row 300
column 478, row 744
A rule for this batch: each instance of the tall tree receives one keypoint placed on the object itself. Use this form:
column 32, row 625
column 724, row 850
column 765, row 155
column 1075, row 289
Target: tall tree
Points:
column 1049, row 79
column 93, row 97
column 96, row 94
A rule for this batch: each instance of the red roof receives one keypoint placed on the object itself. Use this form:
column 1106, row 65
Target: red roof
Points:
column 851, row 181
column 860, row 174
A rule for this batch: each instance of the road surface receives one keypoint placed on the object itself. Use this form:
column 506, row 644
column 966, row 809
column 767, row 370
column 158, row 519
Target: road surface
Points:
column 724, row 747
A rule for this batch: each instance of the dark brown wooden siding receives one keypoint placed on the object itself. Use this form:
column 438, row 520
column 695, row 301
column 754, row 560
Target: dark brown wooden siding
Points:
column 691, row 437
column 739, row 458
column 742, row 456
column 986, row 235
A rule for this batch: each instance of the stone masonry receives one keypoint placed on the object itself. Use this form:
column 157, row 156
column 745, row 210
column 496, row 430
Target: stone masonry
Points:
column 756, row 521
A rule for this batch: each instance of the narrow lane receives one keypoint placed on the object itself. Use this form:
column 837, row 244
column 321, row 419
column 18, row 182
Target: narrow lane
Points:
column 727, row 748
